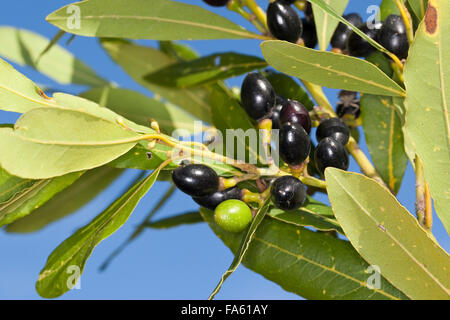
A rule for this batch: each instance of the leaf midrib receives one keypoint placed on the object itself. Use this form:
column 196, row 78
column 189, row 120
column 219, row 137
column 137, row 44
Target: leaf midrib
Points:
column 409, row 254
column 324, row 267
column 245, row 34
column 340, row 73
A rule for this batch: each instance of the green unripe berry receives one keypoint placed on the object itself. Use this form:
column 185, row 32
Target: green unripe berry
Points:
column 233, row 215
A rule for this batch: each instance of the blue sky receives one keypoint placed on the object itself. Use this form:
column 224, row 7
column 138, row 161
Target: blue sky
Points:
column 180, row 263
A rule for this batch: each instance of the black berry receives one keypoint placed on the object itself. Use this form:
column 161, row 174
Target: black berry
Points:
column 257, row 96
column 284, row 22
column 196, row 180
column 295, row 112
column 288, row 193
column 288, row 1
column 334, row 128
column 279, row 102
column 359, row 47
column 393, row 24
column 213, row 200
column 330, row 153
column 393, row 36
column 342, row 32
column 294, row 143
column 217, row 3
column 309, row 34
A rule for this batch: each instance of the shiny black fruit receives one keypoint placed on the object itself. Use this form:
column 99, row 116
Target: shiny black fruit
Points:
column 288, row 1
column 279, row 103
column 330, row 153
column 359, row 47
column 284, row 22
column 393, row 36
column 257, row 96
column 214, row 199
column 288, row 193
column 294, row 143
column 342, row 32
column 295, row 112
column 217, row 3
column 309, row 34
column 333, row 128
column 196, row 180
column 393, row 24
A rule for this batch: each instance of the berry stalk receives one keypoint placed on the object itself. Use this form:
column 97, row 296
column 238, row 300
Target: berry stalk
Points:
column 235, row 5
column 407, row 20
column 259, row 13
column 352, row 146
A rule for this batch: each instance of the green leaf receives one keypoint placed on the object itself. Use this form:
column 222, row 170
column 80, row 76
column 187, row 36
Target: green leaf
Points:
column 325, row 24
column 180, row 52
column 55, row 278
column 244, row 245
column 419, row 7
column 19, row 197
column 381, row 230
column 142, row 19
column 176, row 221
column 387, row 8
column 384, row 137
column 427, row 82
column 329, row 69
column 142, row 109
column 287, row 87
column 311, row 264
column 209, row 69
column 139, row 61
column 74, row 197
column 306, row 218
column 383, row 63
column 18, row 93
column 24, row 48
column 49, row 142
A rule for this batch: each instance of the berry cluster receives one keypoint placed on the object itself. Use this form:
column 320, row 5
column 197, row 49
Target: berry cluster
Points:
column 390, row 33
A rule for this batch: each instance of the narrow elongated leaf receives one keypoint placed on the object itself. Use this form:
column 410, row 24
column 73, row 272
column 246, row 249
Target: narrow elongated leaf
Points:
column 419, row 7
column 311, row 264
column 142, row 19
column 384, row 137
column 286, row 87
column 329, row 69
column 19, row 197
column 139, row 61
column 24, row 47
column 176, row 221
column 49, row 142
column 306, row 218
column 244, row 245
column 180, row 52
column 209, row 69
column 373, row 219
column 18, row 93
column 81, row 192
column 142, row 109
column 55, row 278
column 325, row 24
column 428, row 101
